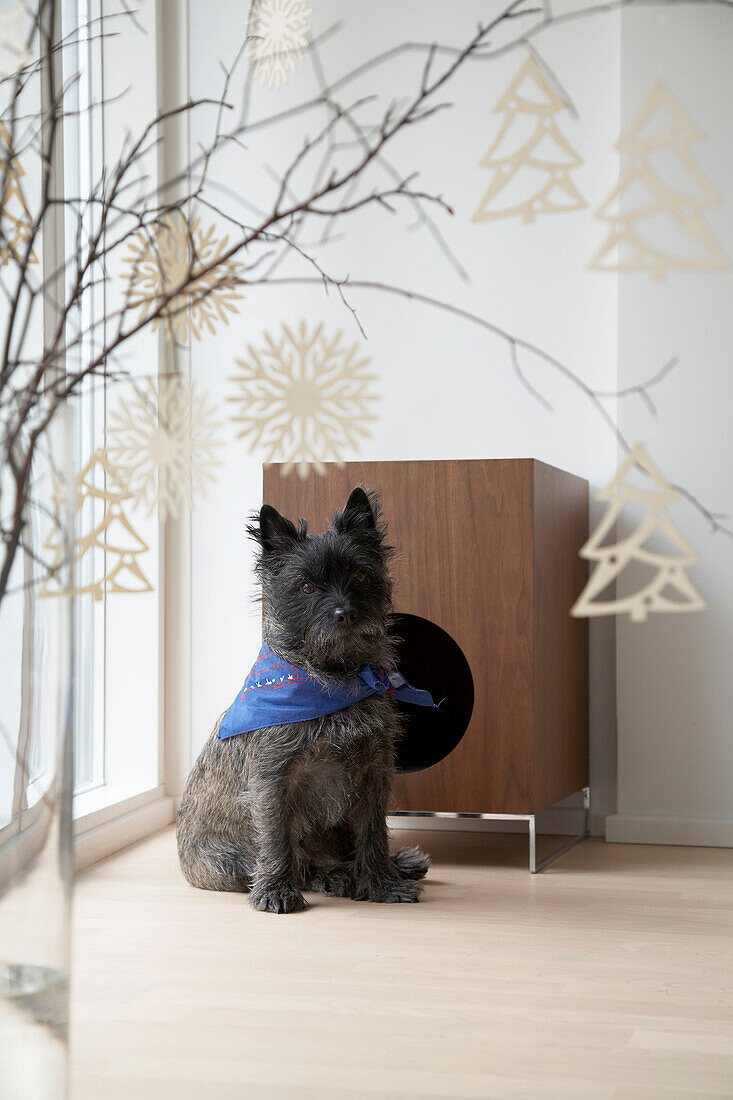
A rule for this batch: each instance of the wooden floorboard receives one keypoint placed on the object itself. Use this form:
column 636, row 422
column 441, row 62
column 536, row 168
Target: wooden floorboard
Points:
column 608, row 976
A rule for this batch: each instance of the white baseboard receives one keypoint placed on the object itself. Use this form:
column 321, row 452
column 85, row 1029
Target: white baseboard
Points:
column 553, row 822
column 697, row 832
column 110, row 836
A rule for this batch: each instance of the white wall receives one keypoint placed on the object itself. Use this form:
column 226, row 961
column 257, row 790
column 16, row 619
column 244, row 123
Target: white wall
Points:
column 447, row 386
column 675, row 692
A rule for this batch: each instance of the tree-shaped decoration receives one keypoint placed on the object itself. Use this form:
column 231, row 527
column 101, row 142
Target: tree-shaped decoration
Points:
column 654, row 212
column 530, row 157
column 114, row 534
column 15, row 217
column 669, row 588
column 117, row 568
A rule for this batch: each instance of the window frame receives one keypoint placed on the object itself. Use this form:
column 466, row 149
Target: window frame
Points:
column 112, row 808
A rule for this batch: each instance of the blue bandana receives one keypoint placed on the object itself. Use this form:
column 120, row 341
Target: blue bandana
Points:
column 276, row 693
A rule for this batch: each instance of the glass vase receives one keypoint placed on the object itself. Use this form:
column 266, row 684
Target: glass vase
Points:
column 36, row 780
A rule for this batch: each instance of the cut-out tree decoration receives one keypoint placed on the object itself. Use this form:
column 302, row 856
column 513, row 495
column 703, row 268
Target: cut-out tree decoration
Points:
column 278, row 34
column 303, row 398
column 654, row 212
column 14, row 54
column 114, row 534
column 669, row 588
column 530, row 158
column 113, row 545
column 15, row 217
column 163, row 443
column 162, row 259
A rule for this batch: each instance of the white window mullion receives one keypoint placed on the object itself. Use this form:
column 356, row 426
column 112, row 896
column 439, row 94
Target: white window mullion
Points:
column 118, row 636
column 83, row 158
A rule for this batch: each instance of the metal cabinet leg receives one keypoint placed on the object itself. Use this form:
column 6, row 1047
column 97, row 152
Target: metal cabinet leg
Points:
column 536, row 866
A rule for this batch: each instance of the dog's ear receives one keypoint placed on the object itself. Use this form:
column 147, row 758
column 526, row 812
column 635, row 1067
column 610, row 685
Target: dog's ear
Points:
column 272, row 531
column 359, row 514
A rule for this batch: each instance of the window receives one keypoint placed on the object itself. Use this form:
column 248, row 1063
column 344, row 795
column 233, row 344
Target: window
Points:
column 117, row 627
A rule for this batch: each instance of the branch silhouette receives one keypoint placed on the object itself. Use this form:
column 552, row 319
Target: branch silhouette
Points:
column 347, row 166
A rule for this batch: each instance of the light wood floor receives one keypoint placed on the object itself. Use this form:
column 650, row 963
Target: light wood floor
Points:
column 610, row 975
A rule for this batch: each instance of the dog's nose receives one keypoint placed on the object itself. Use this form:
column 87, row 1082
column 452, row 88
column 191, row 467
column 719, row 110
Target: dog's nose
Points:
column 344, row 616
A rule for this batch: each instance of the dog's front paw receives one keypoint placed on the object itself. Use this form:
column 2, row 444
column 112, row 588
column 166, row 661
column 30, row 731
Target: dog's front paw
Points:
column 280, row 897
column 410, row 863
column 388, row 890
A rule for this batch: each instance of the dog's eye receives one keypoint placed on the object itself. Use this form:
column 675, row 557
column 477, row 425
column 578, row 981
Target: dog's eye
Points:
column 307, row 587
column 360, row 577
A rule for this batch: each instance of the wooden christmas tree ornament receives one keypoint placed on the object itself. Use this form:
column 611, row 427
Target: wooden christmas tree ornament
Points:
column 669, row 589
column 15, row 217
column 655, row 210
column 116, row 568
column 531, row 158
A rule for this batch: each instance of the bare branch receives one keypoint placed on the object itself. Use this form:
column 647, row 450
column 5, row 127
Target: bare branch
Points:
column 331, row 176
column 515, row 343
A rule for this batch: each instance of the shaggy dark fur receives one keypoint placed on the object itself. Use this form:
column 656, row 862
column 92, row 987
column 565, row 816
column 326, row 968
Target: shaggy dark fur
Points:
column 302, row 806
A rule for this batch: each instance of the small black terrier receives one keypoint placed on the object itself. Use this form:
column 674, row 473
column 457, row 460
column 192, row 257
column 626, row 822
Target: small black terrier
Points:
column 302, row 806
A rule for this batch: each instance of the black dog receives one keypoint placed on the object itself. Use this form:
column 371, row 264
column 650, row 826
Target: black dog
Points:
column 302, row 806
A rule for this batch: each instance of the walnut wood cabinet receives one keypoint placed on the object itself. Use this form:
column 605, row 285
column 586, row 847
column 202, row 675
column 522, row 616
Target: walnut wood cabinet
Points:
column 488, row 553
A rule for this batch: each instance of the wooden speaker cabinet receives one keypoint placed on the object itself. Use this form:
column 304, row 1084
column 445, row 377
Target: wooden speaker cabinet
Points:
column 488, row 553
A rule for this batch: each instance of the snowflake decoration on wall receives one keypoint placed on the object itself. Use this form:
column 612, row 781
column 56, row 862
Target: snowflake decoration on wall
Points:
column 278, row 31
column 304, row 398
column 163, row 445
column 174, row 252
column 14, row 54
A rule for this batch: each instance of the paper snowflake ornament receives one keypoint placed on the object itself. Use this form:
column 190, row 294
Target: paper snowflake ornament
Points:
column 654, row 211
column 175, row 253
column 530, row 157
column 278, row 34
column 14, row 54
column 108, row 553
column 669, row 588
column 303, row 398
column 15, row 217
column 163, row 442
